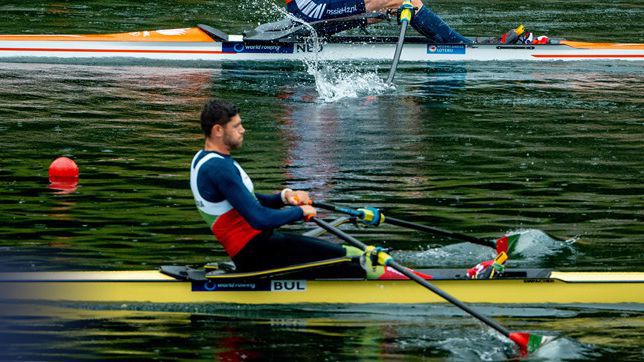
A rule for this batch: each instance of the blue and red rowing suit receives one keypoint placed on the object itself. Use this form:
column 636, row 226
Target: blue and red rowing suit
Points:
column 243, row 221
column 224, row 196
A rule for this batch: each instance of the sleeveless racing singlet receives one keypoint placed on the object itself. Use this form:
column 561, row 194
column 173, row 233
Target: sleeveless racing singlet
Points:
column 229, row 227
column 224, row 196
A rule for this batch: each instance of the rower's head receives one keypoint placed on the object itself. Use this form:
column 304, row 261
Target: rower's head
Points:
column 222, row 125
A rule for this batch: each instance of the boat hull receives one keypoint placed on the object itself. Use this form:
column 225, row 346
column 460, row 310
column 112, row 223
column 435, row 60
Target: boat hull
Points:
column 195, row 44
column 156, row 287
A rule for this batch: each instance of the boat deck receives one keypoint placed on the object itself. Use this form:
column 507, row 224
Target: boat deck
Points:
column 172, row 274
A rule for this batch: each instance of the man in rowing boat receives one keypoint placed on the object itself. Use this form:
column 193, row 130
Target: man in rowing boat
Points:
column 242, row 220
column 347, row 16
column 424, row 20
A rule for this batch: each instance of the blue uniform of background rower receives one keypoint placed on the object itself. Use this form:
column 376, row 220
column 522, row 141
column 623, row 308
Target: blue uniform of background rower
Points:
column 424, row 20
column 316, row 10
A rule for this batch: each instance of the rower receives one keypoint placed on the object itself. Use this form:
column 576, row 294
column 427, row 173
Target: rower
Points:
column 243, row 221
column 333, row 16
column 424, row 20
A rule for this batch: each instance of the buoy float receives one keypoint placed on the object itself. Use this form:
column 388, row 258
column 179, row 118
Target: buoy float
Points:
column 63, row 174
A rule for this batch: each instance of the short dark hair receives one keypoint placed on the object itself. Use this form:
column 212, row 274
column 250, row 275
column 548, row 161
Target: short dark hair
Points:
column 216, row 111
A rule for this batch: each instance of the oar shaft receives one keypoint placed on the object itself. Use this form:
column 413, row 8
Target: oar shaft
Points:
column 392, row 263
column 438, row 231
column 339, row 233
column 399, row 47
column 407, row 224
column 332, row 207
column 501, row 329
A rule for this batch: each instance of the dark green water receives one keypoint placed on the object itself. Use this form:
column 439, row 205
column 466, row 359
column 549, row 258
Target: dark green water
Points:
column 478, row 148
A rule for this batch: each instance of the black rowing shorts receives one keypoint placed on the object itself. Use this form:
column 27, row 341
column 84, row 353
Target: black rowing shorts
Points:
column 272, row 249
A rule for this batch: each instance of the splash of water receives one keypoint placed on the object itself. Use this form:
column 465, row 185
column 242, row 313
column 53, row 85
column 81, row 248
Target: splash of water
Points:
column 563, row 349
column 532, row 249
column 534, row 243
column 455, row 255
column 331, row 81
column 334, row 84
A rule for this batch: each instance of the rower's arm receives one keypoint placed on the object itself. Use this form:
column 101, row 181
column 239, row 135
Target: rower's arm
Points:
column 258, row 216
column 273, row 201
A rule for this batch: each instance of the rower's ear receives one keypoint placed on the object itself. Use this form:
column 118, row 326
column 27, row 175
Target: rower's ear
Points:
column 217, row 130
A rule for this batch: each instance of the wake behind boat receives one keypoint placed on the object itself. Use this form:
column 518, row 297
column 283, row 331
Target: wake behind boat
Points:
column 204, row 43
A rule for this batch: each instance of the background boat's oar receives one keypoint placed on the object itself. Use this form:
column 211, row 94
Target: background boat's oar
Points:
column 406, row 11
column 411, row 225
column 527, row 342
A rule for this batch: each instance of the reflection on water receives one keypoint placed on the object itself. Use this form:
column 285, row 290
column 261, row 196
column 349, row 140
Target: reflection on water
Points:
column 477, row 148
column 364, row 333
column 463, row 147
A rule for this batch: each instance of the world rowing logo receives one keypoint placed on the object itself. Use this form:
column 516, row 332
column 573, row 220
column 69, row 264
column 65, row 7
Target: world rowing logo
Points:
column 210, row 286
column 239, row 48
column 213, row 286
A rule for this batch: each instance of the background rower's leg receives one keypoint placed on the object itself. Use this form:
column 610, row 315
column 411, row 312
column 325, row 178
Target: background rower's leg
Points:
column 435, row 28
column 424, row 21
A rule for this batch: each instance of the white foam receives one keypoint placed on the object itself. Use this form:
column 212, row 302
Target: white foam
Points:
column 334, row 83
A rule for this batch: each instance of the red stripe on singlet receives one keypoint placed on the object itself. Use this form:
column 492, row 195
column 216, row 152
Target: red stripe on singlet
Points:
column 233, row 231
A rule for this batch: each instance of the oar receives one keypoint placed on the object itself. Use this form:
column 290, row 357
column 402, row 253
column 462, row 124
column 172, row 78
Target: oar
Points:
column 406, row 12
column 527, row 342
column 410, row 225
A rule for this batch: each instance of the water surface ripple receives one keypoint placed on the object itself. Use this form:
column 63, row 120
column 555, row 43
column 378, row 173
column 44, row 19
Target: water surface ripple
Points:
column 478, row 148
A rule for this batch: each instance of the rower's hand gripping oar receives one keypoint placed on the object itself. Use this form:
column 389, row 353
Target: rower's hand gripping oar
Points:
column 405, row 13
column 373, row 216
column 527, row 342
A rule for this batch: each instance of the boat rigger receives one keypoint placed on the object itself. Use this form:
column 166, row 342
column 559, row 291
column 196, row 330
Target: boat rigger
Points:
column 179, row 284
column 204, row 43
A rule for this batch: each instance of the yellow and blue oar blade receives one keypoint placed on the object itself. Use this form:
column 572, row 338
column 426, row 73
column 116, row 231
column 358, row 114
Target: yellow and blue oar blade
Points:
column 528, row 342
column 405, row 14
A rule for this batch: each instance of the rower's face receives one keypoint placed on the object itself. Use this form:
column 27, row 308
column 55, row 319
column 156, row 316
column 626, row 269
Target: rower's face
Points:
column 234, row 133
